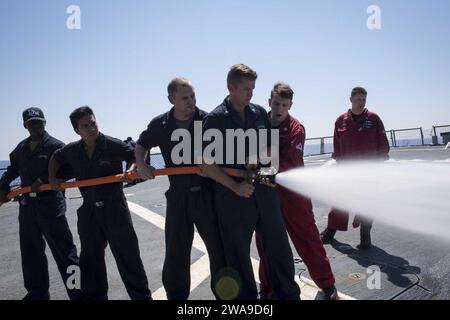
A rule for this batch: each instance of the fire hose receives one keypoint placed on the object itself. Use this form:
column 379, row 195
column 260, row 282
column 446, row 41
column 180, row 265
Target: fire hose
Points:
column 248, row 175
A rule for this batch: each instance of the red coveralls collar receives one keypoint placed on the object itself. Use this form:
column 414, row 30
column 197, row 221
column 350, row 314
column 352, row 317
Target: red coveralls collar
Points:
column 285, row 124
column 363, row 114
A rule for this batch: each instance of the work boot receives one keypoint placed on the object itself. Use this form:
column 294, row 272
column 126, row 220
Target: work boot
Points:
column 327, row 235
column 366, row 242
column 263, row 295
column 36, row 297
column 330, row 293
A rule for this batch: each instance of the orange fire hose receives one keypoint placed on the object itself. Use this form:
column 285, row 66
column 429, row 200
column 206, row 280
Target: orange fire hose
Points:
column 119, row 178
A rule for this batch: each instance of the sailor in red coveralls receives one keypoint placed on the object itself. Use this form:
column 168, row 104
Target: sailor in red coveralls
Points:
column 297, row 210
column 358, row 134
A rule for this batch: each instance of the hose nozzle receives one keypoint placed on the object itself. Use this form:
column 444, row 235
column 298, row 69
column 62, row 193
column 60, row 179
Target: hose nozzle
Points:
column 261, row 173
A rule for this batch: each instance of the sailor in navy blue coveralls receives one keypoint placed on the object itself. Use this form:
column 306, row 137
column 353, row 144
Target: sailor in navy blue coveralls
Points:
column 239, row 217
column 41, row 215
column 104, row 218
column 189, row 202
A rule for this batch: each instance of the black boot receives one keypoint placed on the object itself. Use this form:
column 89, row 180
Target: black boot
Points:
column 267, row 295
column 366, row 242
column 327, row 235
column 36, row 297
column 330, row 293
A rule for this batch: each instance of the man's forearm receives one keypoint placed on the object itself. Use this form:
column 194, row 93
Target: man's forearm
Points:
column 9, row 176
column 214, row 172
column 53, row 168
column 140, row 154
column 4, row 183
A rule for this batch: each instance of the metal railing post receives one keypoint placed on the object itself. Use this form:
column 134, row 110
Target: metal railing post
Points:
column 392, row 137
column 395, row 140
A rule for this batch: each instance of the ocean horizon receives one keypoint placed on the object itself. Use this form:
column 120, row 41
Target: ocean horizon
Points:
column 157, row 160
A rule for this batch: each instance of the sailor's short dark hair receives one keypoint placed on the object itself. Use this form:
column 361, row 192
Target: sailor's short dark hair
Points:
column 79, row 113
column 357, row 90
column 239, row 72
column 283, row 90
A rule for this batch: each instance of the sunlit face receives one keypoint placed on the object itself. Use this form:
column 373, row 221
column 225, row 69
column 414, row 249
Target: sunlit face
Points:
column 87, row 128
column 279, row 109
column 184, row 101
column 35, row 127
column 242, row 92
column 359, row 100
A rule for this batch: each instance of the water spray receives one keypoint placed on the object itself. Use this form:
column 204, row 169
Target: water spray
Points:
column 409, row 195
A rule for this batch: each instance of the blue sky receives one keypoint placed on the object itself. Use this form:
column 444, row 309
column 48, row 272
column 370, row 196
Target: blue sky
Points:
column 126, row 52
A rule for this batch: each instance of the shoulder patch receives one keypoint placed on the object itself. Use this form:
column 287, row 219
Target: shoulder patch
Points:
column 368, row 124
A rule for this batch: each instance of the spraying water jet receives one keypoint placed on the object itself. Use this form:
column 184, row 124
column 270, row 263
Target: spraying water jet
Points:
column 413, row 196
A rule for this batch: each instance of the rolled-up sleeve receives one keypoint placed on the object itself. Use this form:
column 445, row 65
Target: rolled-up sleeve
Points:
column 149, row 137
